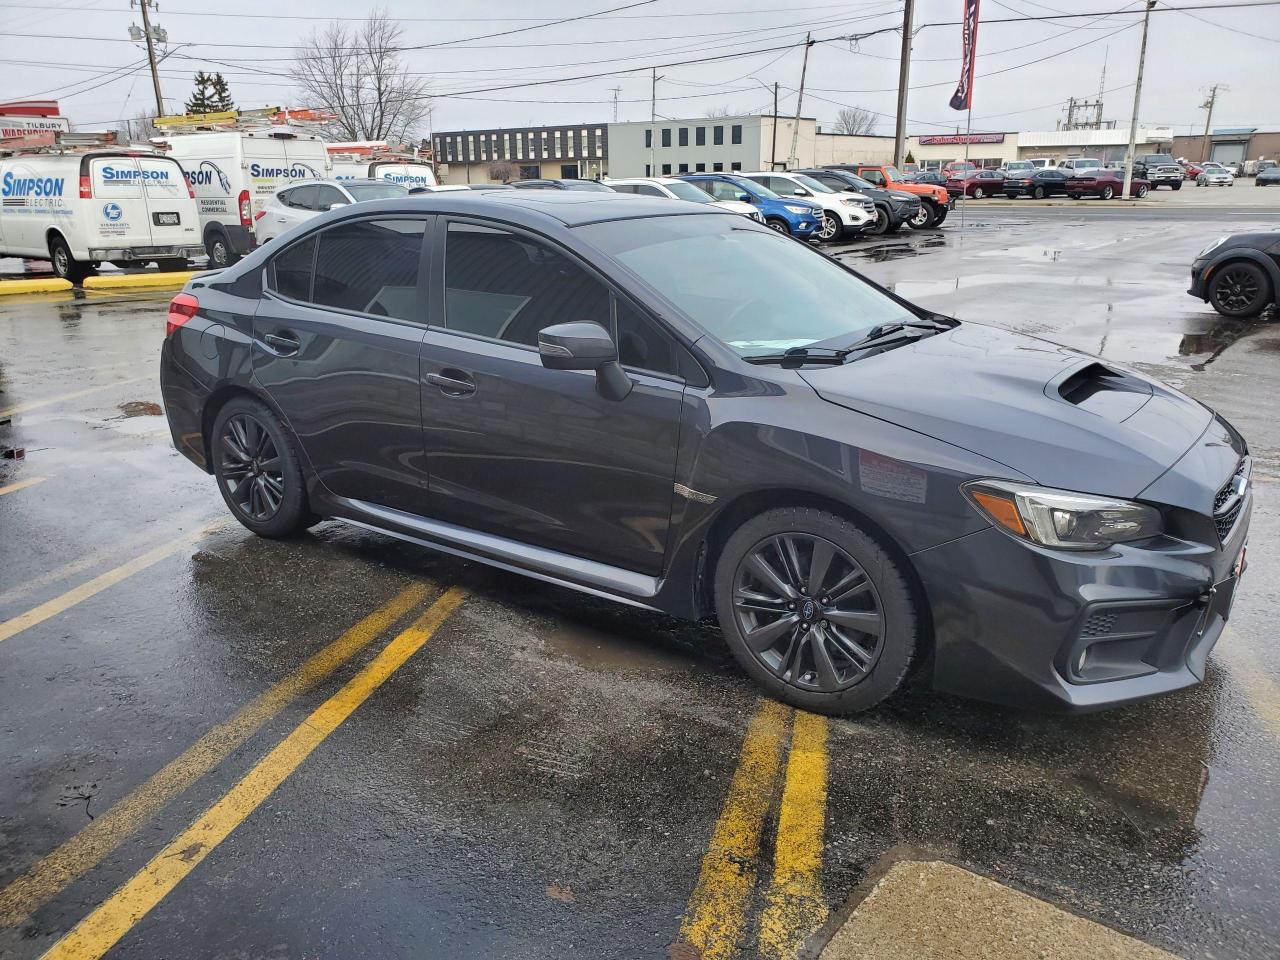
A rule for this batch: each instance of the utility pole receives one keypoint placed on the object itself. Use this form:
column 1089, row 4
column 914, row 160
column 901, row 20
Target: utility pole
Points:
column 1208, row 105
column 616, row 91
column 653, row 123
column 1137, row 100
column 793, row 161
column 773, row 152
column 904, row 79
column 145, row 5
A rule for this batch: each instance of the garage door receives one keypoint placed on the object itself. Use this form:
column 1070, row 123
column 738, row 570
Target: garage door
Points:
column 1231, row 154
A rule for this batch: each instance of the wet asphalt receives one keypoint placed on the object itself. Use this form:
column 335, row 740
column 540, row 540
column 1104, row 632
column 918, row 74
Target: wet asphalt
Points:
column 543, row 777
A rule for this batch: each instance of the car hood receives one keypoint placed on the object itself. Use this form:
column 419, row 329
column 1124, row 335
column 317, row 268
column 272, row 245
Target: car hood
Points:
column 1052, row 414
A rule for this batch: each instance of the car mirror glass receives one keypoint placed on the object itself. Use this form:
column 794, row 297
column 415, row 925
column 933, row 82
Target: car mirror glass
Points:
column 335, row 206
column 744, row 197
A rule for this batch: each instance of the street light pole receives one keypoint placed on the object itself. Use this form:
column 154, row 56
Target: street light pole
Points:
column 793, row 161
column 1137, row 100
column 904, row 78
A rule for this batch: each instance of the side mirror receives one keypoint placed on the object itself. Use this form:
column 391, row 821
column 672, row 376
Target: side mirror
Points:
column 801, row 192
column 745, row 198
column 336, row 206
column 585, row 346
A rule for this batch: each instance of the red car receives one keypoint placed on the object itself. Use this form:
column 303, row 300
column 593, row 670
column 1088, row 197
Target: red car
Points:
column 975, row 183
column 1104, row 183
column 1193, row 170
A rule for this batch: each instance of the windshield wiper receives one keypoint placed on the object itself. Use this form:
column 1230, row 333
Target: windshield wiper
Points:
column 886, row 333
column 799, row 356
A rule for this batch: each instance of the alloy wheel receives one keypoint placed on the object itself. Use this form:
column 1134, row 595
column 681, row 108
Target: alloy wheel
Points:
column 830, row 227
column 922, row 216
column 808, row 612
column 1237, row 289
column 251, row 471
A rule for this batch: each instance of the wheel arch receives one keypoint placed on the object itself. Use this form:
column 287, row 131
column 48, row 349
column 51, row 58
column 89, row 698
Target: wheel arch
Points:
column 222, row 395
column 747, row 505
column 1239, row 254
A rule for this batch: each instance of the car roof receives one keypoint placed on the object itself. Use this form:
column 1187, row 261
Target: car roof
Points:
column 532, row 208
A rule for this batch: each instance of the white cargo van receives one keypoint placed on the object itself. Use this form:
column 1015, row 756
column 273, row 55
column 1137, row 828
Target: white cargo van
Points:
column 79, row 208
column 411, row 173
column 233, row 172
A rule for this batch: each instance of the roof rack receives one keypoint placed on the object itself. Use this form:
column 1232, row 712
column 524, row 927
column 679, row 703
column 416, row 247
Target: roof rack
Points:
column 261, row 119
column 60, row 142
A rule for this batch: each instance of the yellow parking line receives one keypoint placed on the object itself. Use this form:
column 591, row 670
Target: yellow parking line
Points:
column 22, row 485
column 795, row 907
column 87, row 848
column 62, row 398
column 102, row 929
column 59, row 604
column 715, row 921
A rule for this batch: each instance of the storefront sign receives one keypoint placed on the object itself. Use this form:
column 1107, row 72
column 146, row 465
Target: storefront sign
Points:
column 938, row 141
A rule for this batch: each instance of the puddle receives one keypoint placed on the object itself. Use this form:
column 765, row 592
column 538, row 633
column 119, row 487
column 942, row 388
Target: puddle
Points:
column 141, row 408
column 609, row 652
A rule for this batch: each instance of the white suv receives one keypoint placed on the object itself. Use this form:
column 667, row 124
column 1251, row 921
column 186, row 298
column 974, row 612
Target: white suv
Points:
column 842, row 212
column 299, row 202
column 680, row 190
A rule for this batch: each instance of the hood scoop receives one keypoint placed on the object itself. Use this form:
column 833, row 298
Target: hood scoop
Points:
column 1111, row 394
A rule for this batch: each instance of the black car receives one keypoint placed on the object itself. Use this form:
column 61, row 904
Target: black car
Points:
column 928, row 176
column 1267, row 177
column 1239, row 275
column 566, row 184
column 683, row 410
column 893, row 207
column 1037, row 184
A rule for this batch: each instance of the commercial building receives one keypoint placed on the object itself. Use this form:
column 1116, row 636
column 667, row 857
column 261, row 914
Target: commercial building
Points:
column 707, row 145
column 1231, row 145
column 576, row 151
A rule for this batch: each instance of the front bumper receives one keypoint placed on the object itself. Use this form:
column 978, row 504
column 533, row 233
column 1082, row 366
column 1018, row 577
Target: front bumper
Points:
column 1199, row 281
column 1012, row 620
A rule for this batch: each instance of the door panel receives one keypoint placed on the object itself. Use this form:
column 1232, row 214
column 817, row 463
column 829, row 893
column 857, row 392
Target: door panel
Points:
column 343, row 367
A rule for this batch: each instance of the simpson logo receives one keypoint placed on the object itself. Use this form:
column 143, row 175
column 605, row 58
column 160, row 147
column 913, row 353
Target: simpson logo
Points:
column 408, row 178
column 119, row 174
column 112, row 211
column 12, row 186
column 207, row 174
column 297, row 171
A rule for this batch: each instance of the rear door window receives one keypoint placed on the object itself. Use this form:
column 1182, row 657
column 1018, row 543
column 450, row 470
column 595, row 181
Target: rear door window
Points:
column 326, row 196
column 372, row 266
column 291, row 271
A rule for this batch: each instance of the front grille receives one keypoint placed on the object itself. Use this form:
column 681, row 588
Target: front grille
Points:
column 1229, row 500
column 1227, row 521
column 1098, row 625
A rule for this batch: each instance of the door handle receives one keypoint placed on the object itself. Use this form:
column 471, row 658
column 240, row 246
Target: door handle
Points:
column 285, row 343
column 458, row 385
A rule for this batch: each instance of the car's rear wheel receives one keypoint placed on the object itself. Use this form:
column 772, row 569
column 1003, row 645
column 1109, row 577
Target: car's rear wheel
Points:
column 978, row 193
column 777, row 223
column 258, row 471
column 815, row 610
column 830, row 229
column 1038, row 193
column 1240, row 289
column 881, row 226
column 1107, row 193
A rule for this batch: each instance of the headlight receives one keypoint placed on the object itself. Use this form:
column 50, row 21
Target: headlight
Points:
column 849, row 201
column 1060, row 518
column 799, row 210
column 1214, row 246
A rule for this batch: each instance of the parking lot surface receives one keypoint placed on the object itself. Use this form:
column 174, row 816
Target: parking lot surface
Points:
column 216, row 746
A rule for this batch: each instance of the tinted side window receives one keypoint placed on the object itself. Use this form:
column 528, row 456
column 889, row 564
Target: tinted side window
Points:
column 505, row 286
column 371, row 266
column 326, row 196
column 301, row 197
column 642, row 344
column 649, row 190
column 625, row 187
column 291, row 271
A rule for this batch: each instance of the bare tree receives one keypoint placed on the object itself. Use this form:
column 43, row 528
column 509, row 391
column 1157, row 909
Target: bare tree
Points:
column 139, row 128
column 354, row 72
column 855, row 120
column 501, row 170
column 715, row 113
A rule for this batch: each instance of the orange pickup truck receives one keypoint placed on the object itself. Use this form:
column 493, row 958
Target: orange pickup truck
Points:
column 935, row 202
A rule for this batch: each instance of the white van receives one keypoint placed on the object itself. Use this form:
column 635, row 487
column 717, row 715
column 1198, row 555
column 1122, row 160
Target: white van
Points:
column 81, row 208
column 233, row 173
column 411, row 173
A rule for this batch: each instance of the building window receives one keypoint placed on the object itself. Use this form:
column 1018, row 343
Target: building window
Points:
column 648, row 139
column 484, row 147
column 493, row 146
column 506, row 146
column 545, row 149
column 718, row 135
column 700, row 137
column 684, row 136
column 717, row 168
column 471, row 148
column 530, row 171
column 666, row 136
column 736, row 133
column 647, row 168
column 684, row 168
column 572, row 137
column 735, row 165
column 559, row 150
column 699, row 168
column 599, row 143
column 666, row 169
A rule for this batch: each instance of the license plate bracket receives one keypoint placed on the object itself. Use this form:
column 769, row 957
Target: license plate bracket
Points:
column 166, row 218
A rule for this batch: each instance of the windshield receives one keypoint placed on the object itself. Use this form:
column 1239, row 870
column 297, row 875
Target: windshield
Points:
column 376, row 191
column 892, row 173
column 817, row 186
column 759, row 189
column 1158, row 158
column 747, row 286
column 687, row 191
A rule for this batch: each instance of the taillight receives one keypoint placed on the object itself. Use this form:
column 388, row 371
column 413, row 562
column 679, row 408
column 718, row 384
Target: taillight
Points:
column 181, row 309
column 86, row 188
column 246, row 209
column 259, row 215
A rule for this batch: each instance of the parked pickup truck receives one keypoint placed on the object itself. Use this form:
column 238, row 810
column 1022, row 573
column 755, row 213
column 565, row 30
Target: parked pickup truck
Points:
column 1159, row 170
column 935, row 202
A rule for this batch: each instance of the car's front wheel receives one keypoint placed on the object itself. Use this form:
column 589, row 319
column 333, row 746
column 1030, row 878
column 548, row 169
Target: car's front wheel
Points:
column 830, row 229
column 778, row 224
column 923, row 218
column 815, row 610
column 258, row 471
column 1107, row 193
column 1240, row 290
column 881, row 226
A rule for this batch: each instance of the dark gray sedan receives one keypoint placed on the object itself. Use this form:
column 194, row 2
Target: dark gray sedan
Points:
column 680, row 409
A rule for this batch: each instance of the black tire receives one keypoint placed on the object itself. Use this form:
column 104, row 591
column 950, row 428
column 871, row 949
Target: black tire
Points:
column 218, row 247
column 1107, row 192
column 1240, row 290
column 1176, row 186
column 1142, row 192
column 1038, row 193
column 66, row 266
column 831, row 228
column 923, row 219
column 269, row 476
column 881, row 226
column 777, row 223
column 1075, row 196
column 1011, row 196
column 940, row 215
column 868, row 631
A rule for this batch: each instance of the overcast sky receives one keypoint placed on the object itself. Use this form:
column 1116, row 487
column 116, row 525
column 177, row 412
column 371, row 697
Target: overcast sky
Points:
column 1238, row 49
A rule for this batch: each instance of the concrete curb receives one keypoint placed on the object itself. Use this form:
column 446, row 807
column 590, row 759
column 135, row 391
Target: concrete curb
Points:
column 36, row 285
column 140, row 280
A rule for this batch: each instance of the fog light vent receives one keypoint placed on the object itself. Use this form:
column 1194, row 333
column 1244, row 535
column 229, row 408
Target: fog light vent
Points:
column 1098, row 625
